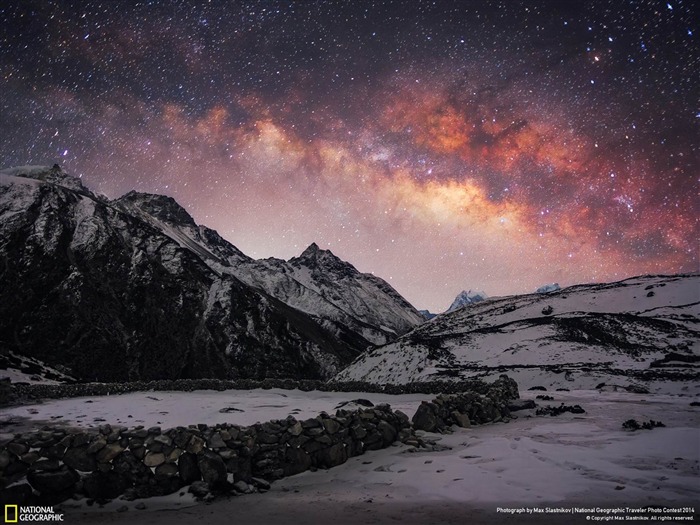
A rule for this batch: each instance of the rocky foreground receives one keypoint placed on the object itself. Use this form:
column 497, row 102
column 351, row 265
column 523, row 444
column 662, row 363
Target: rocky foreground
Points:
column 59, row 463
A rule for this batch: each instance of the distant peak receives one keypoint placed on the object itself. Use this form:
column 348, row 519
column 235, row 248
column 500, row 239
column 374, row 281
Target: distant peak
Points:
column 314, row 256
column 467, row 297
column 314, row 252
column 312, row 249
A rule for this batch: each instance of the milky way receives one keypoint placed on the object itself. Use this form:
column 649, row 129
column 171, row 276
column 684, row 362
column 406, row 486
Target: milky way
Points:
column 441, row 145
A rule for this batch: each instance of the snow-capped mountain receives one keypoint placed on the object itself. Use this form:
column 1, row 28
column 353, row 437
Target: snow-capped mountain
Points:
column 317, row 282
column 427, row 314
column 634, row 331
column 134, row 289
column 547, row 288
column 466, row 297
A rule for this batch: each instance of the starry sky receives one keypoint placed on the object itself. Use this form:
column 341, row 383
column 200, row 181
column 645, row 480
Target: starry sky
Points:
column 442, row 145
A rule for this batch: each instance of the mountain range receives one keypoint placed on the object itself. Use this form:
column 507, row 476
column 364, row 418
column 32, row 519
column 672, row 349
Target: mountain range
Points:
column 633, row 332
column 133, row 288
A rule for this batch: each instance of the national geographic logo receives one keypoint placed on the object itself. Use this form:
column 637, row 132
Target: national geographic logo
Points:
column 17, row 514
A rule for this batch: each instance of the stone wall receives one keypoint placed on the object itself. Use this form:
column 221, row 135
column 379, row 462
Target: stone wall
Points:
column 139, row 462
column 58, row 463
column 23, row 392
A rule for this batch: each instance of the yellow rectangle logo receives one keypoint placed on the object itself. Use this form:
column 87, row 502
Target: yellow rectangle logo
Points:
column 8, row 513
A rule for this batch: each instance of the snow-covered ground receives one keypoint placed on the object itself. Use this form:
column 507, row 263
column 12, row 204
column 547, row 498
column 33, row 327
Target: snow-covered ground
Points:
column 172, row 409
column 585, row 460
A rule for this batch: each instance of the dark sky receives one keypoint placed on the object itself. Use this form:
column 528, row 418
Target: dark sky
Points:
column 441, row 145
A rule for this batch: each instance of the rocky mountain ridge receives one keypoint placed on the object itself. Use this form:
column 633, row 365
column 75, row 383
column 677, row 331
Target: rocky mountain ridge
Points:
column 632, row 332
column 133, row 288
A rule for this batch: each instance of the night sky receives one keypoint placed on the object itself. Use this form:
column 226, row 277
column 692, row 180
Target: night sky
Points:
column 441, row 145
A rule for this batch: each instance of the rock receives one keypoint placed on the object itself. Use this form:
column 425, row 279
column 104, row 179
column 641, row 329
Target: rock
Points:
column 387, row 431
column 163, row 440
column 173, row 455
column 188, row 468
column 296, row 429
column 196, row 445
column 424, row 418
column 331, row 456
column 45, row 465
column 153, row 459
column 296, row 461
column 199, row 489
column 17, row 448
column 79, row 459
column 166, row 470
column 358, row 431
column 260, row 483
column 96, row 445
column 131, row 467
column 324, row 439
column 140, row 506
column 215, row 441
column 269, row 438
column 53, row 481
column 311, row 423
column 461, row 420
column 521, row 404
column 104, row 485
column 243, row 487
column 5, row 459
column 109, row 452
column 212, row 467
column 20, row 494
column 331, row 425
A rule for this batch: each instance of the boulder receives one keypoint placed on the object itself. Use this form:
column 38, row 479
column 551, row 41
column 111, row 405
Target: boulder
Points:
column 425, row 417
column 153, row 459
column 166, row 470
column 79, row 459
column 331, row 456
column 521, row 404
column 51, row 481
column 188, row 468
column 213, row 468
column 388, row 432
column 199, row 489
column 104, row 485
column 461, row 420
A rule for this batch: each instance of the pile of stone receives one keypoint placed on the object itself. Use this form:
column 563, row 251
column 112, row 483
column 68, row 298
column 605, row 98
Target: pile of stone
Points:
column 56, row 464
column 22, row 392
column 468, row 408
column 550, row 410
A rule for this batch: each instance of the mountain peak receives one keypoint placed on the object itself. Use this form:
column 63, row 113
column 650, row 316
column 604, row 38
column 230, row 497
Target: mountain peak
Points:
column 51, row 174
column 548, row 288
column 314, row 253
column 161, row 207
column 311, row 251
column 467, row 297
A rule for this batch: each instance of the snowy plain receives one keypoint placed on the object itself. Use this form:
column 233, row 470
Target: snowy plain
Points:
column 584, row 460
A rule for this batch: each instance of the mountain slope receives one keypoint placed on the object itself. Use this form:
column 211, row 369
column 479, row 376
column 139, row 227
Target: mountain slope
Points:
column 576, row 337
column 317, row 282
column 134, row 289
